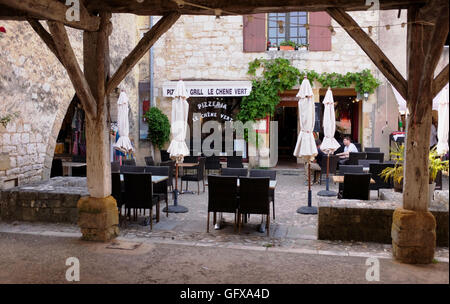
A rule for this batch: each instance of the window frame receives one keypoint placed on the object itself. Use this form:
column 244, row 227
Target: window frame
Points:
column 287, row 26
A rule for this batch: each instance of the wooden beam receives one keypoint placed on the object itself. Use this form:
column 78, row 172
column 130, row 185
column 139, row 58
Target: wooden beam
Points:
column 440, row 81
column 55, row 11
column 79, row 82
column 45, row 36
column 371, row 49
column 141, row 49
column 242, row 7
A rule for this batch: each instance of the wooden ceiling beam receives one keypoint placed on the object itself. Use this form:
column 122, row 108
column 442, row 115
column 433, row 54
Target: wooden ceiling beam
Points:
column 73, row 69
column 243, row 7
column 371, row 49
column 52, row 10
column 144, row 45
column 440, row 81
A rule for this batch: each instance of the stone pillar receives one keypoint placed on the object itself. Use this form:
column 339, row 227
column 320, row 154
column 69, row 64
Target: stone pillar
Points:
column 98, row 213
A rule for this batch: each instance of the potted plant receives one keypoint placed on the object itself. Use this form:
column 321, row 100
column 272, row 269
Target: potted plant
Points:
column 158, row 129
column 435, row 164
column 302, row 47
column 287, row 45
column 395, row 173
column 272, row 47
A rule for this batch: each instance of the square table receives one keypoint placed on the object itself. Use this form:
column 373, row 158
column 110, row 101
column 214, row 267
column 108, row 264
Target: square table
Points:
column 69, row 165
column 339, row 179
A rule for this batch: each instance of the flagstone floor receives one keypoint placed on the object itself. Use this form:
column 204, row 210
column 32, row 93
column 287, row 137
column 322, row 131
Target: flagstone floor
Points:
column 289, row 230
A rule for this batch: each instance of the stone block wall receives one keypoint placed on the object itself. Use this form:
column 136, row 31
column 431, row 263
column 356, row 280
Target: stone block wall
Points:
column 34, row 84
column 51, row 201
column 368, row 221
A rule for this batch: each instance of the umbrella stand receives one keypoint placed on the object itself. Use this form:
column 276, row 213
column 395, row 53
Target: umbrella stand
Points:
column 175, row 208
column 308, row 209
column 327, row 192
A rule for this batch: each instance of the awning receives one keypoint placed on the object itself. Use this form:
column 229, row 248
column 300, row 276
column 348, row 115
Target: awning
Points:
column 210, row 88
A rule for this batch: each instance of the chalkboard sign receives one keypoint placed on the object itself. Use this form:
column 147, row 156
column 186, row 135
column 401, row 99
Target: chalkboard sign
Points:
column 317, row 123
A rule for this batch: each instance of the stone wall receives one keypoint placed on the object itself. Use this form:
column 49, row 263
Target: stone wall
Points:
column 34, row 84
column 203, row 48
column 49, row 201
column 369, row 221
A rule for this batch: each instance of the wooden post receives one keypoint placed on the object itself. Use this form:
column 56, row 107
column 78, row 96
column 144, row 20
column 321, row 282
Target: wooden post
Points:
column 98, row 214
column 413, row 226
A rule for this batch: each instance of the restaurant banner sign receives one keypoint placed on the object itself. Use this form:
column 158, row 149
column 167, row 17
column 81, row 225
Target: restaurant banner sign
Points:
column 211, row 88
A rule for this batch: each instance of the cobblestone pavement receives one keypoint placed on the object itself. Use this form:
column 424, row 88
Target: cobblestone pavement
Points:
column 289, row 231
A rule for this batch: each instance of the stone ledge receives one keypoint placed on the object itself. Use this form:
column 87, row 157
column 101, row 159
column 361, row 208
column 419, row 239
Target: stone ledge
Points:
column 369, row 221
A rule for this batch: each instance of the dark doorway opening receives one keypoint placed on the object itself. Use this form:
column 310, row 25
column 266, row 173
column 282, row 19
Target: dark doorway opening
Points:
column 287, row 118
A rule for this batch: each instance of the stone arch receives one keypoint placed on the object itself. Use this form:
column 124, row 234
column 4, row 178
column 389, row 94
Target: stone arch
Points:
column 51, row 142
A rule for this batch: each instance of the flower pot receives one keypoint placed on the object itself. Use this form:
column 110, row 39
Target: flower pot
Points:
column 275, row 48
column 431, row 193
column 303, row 48
column 286, row 48
column 398, row 187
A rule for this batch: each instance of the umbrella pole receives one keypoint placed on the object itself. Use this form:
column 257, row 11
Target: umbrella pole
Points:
column 308, row 209
column 327, row 192
column 175, row 208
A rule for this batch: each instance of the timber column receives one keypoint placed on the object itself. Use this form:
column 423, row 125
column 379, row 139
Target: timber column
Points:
column 98, row 215
column 413, row 226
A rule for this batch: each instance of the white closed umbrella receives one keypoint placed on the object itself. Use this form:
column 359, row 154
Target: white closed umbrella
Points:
column 329, row 143
column 123, row 144
column 178, row 148
column 442, row 131
column 306, row 145
column 180, row 109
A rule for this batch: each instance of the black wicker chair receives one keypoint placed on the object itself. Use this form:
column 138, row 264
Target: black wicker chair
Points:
column 149, row 161
column 196, row 176
column 139, row 193
column 115, row 166
column 160, row 189
column 57, row 168
column 366, row 162
column 79, row 171
column 212, row 163
column 334, row 160
column 380, row 183
column 372, row 149
column 348, row 169
column 356, row 186
column 132, row 169
column 358, row 146
column 354, row 157
column 165, row 156
column 171, row 165
column 129, row 162
column 117, row 190
column 375, row 155
column 254, row 198
column 234, row 162
column 272, row 174
column 239, row 172
column 222, row 196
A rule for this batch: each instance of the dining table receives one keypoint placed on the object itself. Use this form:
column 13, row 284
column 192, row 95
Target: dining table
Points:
column 68, row 165
column 339, row 179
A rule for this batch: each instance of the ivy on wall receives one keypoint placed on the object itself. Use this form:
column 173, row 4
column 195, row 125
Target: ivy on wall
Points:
column 279, row 75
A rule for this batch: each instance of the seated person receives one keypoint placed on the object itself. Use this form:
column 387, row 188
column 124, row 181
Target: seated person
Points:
column 348, row 147
column 315, row 165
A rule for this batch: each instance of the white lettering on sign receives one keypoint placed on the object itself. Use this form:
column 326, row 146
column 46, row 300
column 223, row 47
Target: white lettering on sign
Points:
column 211, row 88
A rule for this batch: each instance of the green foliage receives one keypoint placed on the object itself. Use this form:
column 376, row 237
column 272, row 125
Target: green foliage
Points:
column 288, row 42
column 396, row 172
column 278, row 76
column 158, row 127
column 436, row 164
column 5, row 120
